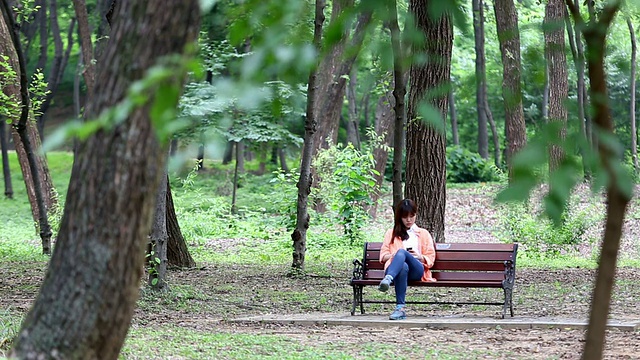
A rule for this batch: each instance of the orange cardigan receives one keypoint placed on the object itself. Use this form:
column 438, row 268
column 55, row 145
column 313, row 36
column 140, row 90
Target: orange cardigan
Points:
column 427, row 249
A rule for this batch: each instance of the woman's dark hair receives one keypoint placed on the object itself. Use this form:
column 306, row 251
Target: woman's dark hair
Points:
column 404, row 208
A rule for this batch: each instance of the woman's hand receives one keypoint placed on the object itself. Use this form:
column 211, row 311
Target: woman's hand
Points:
column 414, row 254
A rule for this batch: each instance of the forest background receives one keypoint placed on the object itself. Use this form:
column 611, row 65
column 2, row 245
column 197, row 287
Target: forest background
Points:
column 251, row 100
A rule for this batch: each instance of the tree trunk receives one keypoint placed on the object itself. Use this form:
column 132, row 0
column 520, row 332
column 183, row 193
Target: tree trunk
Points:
column 34, row 170
column 332, row 76
column 558, row 79
column 177, row 251
column 632, row 100
column 57, row 67
column 481, row 78
column 6, row 170
column 353, row 132
column 89, row 72
column 617, row 200
column 509, row 38
column 426, row 166
column 384, row 125
column 299, row 235
column 88, row 296
column 454, row 118
column 494, row 134
column 282, row 156
column 159, row 238
column 399, row 112
column 41, row 18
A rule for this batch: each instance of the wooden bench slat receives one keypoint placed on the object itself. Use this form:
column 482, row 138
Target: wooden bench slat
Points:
column 467, row 265
column 468, row 276
column 376, row 246
column 476, row 256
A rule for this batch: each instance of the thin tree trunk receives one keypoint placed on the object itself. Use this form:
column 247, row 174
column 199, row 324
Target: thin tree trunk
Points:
column 353, row 134
column 494, row 134
column 6, row 170
column 178, row 254
column 56, row 66
column 27, row 138
column 426, row 164
column 481, row 78
column 384, row 119
column 299, row 235
column 617, row 200
column 88, row 296
column 41, row 18
column 509, row 38
column 159, row 239
column 399, row 112
column 239, row 156
column 282, row 156
column 454, row 118
column 86, row 47
column 557, row 70
column 632, row 100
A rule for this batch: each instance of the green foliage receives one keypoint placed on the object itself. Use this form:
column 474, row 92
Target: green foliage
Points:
column 9, row 325
column 283, row 197
column 346, row 184
column 463, row 166
column 9, row 105
column 540, row 238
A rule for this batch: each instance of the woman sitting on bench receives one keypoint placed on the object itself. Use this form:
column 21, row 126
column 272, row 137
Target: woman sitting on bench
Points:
column 407, row 254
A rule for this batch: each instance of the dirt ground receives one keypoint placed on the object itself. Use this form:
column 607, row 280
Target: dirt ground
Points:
column 213, row 292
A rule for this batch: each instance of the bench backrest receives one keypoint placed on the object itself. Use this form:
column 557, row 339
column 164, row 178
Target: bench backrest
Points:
column 455, row 261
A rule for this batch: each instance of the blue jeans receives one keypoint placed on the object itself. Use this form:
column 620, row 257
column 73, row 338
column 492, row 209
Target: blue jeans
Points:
column 404, row 268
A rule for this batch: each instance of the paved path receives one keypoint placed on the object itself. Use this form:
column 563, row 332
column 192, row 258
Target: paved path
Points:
column 432, row 321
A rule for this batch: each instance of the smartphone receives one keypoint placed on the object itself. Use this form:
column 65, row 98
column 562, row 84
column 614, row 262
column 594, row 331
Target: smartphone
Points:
column 409, row 248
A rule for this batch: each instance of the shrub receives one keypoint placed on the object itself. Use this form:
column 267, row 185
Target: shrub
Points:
column 464, row 166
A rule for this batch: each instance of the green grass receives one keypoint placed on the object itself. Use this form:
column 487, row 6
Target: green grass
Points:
column 210, row 343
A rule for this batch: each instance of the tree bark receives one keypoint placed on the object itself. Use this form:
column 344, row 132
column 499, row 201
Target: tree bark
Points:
column 6, row 170
column 353, row 131
column 426, row 166
column 88, row 296
column 481, row 78
column 25, row 135
column 509, row 38
column 299, row 235
column 454, row 118
column 332, row 79
column 384, row 125
column 89, row 72
column 595, row 37
column 399, row 111
column 558, row 79
column 177, row 251
column 159, row 239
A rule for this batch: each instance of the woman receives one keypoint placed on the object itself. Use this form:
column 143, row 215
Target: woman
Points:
column 407, row 254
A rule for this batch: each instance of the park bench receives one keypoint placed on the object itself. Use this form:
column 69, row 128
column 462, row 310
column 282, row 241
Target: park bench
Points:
column 461, row 265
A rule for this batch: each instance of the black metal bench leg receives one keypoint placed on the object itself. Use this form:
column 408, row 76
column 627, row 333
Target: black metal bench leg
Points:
column 508, row 301
column 355, row 300
column 360, row 291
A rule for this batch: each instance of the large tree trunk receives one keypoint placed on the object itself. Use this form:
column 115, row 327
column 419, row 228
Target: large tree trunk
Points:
column 426, row 166
column 481, row 78
column 509, row 38
column 299, row 235
column 617, row 200
column 177, row 251
column 558, row 79
column 88, row 296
